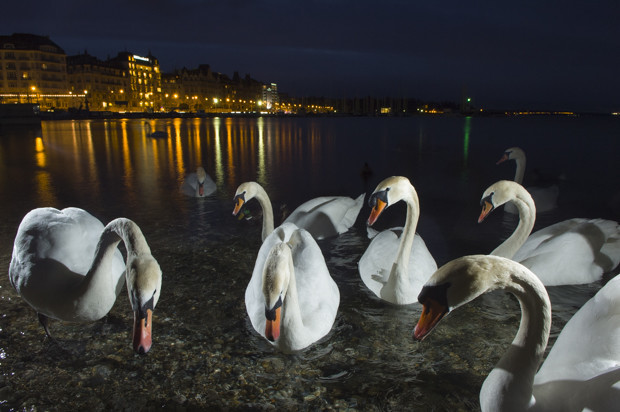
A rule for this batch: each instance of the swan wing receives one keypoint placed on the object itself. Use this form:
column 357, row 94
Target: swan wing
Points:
column 585, row 359
column 575, row 251
column 52, row 252
column 327, row 216
column 376, row 263
column 317, row 292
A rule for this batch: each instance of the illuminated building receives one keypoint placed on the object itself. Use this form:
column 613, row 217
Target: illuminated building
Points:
column 144, row 79
column 32, row 70
column 102, row 84
column 270, row 95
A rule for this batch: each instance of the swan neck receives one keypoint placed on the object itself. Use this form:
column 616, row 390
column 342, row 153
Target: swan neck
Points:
column 510, row 384
column 101, row 278
column 398, row 286
column 520, row 172
column 408, row 235
column 527, row 218
column 292, row 313
column 265, row 203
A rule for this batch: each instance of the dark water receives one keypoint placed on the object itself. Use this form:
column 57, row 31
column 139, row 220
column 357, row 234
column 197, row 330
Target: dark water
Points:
column 205, row 353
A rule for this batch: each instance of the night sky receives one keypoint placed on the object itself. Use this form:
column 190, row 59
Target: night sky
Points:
column 556, row 55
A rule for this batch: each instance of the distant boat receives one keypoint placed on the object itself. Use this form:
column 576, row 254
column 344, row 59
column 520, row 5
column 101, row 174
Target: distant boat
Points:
column 20, row 114
column 156, row 134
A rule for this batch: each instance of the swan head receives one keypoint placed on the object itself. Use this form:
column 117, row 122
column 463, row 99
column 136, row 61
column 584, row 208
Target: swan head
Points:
column 499, row 193
column 512, row 153
column 276, row 275
column 244, row 193
column 454, row 284
column 201, row 176
column 143, row 278
column 388, row 192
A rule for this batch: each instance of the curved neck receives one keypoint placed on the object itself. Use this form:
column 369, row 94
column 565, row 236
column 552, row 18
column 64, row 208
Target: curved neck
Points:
column 97, row 293
column 509, row 385
column 265, row 204
column 527, row 218
column 398, row 284
column 293, row 329
column 520, row 172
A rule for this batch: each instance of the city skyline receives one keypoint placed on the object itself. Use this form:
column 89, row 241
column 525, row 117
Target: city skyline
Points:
column 558, row 57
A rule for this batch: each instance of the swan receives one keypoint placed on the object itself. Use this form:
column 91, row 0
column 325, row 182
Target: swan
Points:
column 574, row 251
column 546, row 198
column 198, row 184
column 67, row 266
column 582, row 370
column 322, row 216
column 156, row 134
column 395, row 268
column 291, row 298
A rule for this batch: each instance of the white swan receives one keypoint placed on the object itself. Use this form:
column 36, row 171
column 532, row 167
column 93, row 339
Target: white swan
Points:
column 67, row 266
column 198, row 184
column 546, row 198
column 574, row 251
column 395, row 268
column 157, row 134
column 323, row 217
column 291, row 298
column 582, row 370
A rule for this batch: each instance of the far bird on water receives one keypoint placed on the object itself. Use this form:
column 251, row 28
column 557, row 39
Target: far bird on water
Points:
column 323, row 217
column 546, row 198
column 67, row 266
column 574, row 251
column 397, row 262
column 157, row 134
column 198, row 184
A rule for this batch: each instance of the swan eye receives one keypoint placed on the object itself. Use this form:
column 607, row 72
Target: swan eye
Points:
column 270, row 314
column 438, row 293
column 487, row 199
column 382, row 195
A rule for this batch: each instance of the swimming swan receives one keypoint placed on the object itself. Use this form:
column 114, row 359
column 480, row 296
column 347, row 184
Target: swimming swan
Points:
column 546, row 198
column 67, row 266
column 291, row 298
column 395, row 268
column 323, row 217
column 198, row 184
column 574, row 251
column 582, row 370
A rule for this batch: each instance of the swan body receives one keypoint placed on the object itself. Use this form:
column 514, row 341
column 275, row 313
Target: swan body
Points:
column 397, row 262
column 546, row 198
column 198, row 184
column 574, row 251
column 157, row 134
column 323, row 217
column 66, row 265
column 582, row 370
column 291, row 298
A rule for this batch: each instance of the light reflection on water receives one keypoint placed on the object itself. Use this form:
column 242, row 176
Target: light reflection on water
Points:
column 205, row 352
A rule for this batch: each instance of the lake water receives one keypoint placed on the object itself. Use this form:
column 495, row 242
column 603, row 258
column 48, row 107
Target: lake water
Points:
column 205, row 352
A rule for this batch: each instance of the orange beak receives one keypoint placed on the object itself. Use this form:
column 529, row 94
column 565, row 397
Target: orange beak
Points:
column 142, row 340
column 376, row 211
column 502, row 159
column 432, row 313
column 238, row 203
column 272, row 327
column 487, row 207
